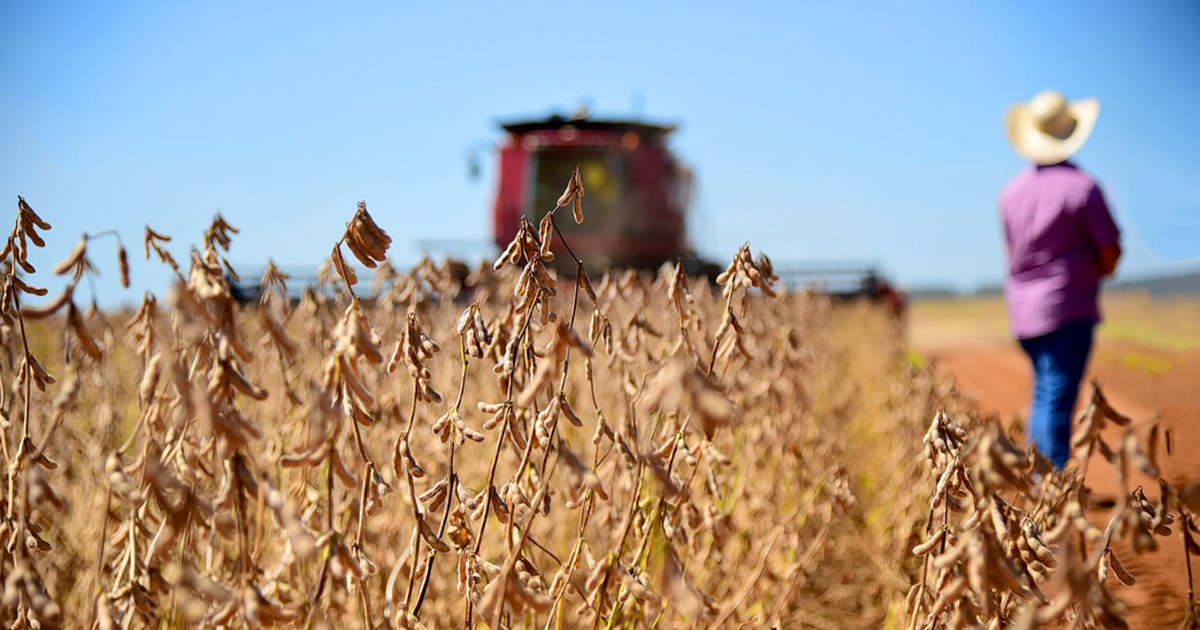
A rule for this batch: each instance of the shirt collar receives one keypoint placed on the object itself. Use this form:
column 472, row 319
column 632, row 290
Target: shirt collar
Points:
column 1063, row 164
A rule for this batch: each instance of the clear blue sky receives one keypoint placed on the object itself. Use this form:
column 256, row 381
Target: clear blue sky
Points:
column 845, row 130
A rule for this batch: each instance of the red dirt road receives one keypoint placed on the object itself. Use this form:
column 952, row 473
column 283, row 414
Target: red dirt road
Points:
column 1141, row 382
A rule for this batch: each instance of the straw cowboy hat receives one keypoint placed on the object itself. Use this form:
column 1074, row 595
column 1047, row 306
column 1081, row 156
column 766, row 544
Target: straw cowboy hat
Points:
column 1048, row 129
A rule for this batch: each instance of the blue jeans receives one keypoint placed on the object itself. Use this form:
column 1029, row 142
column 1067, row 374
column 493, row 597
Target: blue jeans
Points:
column 1059, row 358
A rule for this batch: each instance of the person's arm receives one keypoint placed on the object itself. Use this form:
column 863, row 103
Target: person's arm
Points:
column 1109, row 255
column 1102, row 231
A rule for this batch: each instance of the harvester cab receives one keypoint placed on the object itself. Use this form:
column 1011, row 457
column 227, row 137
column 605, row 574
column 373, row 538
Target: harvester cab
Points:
column 637, row 191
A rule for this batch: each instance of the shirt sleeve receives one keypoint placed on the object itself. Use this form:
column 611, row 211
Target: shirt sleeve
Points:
column 1098, row 221
column 1005, row 228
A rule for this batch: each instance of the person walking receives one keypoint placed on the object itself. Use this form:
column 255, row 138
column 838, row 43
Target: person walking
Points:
column 1061, row 241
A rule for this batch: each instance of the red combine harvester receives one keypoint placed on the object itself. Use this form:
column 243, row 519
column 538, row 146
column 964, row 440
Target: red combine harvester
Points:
column 637, row 191
column 637, row 201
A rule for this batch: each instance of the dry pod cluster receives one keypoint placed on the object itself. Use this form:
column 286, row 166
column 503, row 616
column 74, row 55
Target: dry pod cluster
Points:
column 1008, row 541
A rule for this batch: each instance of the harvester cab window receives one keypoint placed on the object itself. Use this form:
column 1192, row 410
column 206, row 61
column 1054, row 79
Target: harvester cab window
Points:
column 605, row 176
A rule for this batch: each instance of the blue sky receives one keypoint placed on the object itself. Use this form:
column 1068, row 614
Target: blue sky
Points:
column 841, row 130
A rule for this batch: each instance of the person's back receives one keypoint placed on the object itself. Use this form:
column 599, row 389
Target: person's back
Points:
column 1056, row 223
